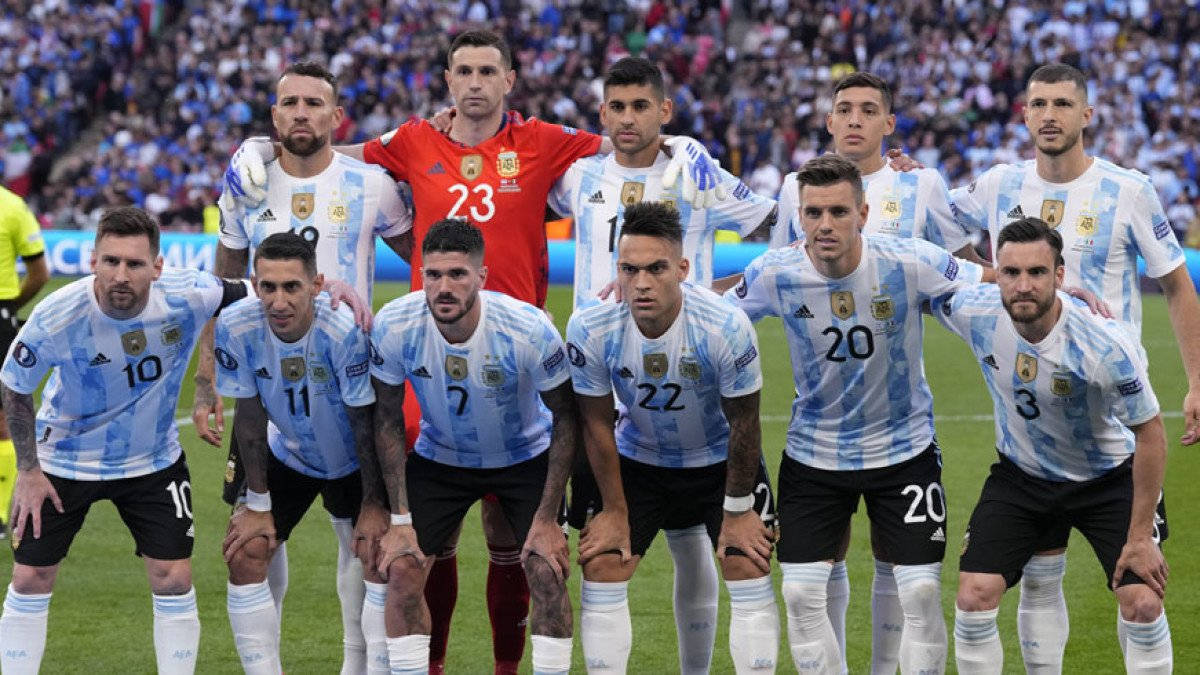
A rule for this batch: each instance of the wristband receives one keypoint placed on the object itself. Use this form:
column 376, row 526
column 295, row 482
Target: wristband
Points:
column 402, row 519
column 739, row 504
column 258, row 501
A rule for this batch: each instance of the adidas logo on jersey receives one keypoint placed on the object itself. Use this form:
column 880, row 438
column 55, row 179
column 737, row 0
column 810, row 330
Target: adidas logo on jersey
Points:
column 626, row 373
column 100, row 360
column 436, row 170
column 597, row 197
column 803, row 313
column 421, row 372
column 262, row 372
column 1016, row 212
column 938, row 535
column 991, row 361
column 266, row 217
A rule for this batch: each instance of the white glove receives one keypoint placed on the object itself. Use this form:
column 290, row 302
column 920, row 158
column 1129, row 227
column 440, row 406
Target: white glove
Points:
column 246, row 177
column 701, row 173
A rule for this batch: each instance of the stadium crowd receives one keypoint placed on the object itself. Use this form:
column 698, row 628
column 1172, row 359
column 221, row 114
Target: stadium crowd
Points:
column 748, row 78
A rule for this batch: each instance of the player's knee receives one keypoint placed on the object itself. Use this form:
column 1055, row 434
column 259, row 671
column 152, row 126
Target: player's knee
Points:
column 609, row 568
column 169, row 577
column 979, row 592
column 249, row 564
column 737, row 567
column 540, row 574
column 920, row 599
column 1139, row 604
column 29, row 580
column 405, row 578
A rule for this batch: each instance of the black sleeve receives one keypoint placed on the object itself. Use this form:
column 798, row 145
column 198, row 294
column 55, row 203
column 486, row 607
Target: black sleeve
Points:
column 234, row 291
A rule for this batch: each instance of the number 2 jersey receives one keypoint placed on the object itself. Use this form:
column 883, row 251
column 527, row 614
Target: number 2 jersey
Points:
column 108, row 409
column 669, row 388
column 304, row 385
column 862, row 401
column 480, row 400
column 1063, row 406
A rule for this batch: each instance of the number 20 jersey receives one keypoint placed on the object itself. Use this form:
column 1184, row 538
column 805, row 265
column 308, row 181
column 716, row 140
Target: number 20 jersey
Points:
column 862, row 401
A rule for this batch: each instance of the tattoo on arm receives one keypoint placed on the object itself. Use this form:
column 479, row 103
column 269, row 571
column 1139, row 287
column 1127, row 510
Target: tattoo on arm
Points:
column 250, row 429
column 563, row 441
column 745, row 444
column 18, row 408
column 362, row 421
column 389, row 442
column 599, row 441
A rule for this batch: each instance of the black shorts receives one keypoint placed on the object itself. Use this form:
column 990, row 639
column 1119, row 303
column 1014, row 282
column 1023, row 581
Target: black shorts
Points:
column 1057, row 538
column 293, row 492
column 9, row 326
column 439, row 496
column 1016, row 511
column 157, row 509
column 905, row 502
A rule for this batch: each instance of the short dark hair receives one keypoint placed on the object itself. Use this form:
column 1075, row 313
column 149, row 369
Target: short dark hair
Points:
column 312, row 69
column 869, row 80
column 1060, row 72
column 633, row 70
column 287, row 246
column 480, row 38
column 653, row 219
column 453, row 235
column 1031, row 229
column 128, row 221
column 829, row 170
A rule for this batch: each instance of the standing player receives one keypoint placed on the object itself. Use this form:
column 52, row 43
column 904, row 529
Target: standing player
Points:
column 498, row 417
column 338, row 205
column 21, row 237
column 1080, row 441
column 298, row 370
column 686, row 372
column 862, row 420
column 116, row 345
column 1107, row 216
column 596, row 191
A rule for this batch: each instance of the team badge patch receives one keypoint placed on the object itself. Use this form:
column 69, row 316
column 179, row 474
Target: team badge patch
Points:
column 292, row 367
column 230, row 471
column 890, row 209
column 492, row 376
column 172, row 333
column 631, row 192
column 318, row 372
column 655, row 365
column 303, row 204
column 24, row 356
column 134, row 342
column 1086, row 226
column 338, row 213
column 882, row 307
column 1060, row 384
column 507, row 164
column 1052, row 211
column 471, row 166
column 456, row 367
column 842, row 304
column 1026, row 367
column 225, row 359
column 689, row 368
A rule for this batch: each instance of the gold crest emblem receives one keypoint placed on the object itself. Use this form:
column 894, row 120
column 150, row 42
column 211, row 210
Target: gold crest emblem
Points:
column 456, row 367
column 1026, row 367
column 891, row 209
column 966, row 542
column 507, row 164
column 318, row 372
column 1052, row 211
column 882, row 307
column 492, row 376
column 338, row 213
column 471, row 166
column 171, row 334
column 1060, row 384
column 670, row 202
column 631, row 192
column 293, row 368
column 689, row 368
column 230, row 471
column 655, row 365
column 303, row 204
column 134, row 342
column 842, row 303
column 1086, row 226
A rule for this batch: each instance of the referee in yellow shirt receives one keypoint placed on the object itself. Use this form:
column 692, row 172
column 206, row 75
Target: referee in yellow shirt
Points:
column 19, row 236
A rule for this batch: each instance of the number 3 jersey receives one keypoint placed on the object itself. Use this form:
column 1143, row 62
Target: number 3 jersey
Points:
column 108, row 409
column 669, row 388
column 862, row 401
column 480, row 400
column 1062, row 406
column 304, row 385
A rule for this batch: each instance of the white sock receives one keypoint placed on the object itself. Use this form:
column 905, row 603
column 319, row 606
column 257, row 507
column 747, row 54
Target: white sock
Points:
column 1042, row 623
column 551, row 655
column 255, row 627
column 923, row 643
column 977, row 648
column 23, row 632
column 695, row 597
column 277, row 578
column 409, row 654
column 753, row 625
column 1148, row 647
column 176, row 633
column 604, row 627
column 350, row 592
column 837, row 599
column 810, row 634
column 373, row 628
column 1122, row 632
column 887, row 621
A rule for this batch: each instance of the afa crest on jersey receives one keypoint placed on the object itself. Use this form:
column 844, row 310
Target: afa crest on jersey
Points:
column 882, row 307
column 172, row 334
column 1027, row 367
column 456, row 367
column 655, row 365
column 631, row 192
column 1060, row 384
column 492, row 376
column 689, row 368
column 303, row 204
column 134, row 342
column 507, row 164
column 1086, row 226
column 292, row 367
column 842, row 304
column 1052, row 211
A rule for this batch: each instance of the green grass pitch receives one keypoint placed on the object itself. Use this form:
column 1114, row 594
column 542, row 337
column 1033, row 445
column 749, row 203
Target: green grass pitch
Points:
column 100, row 618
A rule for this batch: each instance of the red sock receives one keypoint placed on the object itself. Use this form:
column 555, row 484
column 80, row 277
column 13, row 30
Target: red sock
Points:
column 508, row 607
column 441, row 592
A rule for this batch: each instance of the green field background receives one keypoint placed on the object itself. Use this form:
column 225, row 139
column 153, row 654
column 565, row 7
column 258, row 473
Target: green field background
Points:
column 100, row 616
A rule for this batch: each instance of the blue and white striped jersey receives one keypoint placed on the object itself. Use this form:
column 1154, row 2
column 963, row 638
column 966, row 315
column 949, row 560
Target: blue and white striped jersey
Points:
column 596, row 190
column 669, row 388
column 862, row 401
column 340, row 210
column 480, row 400
column 304, row 385
column 1107, row 218
column 1063, row 406
column 108, row 409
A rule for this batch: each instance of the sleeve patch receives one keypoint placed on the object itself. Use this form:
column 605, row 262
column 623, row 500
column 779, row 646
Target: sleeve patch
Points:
column 570, row 131
column 357, row 369
column 746, row 358
column 385, row 139
column 375, row 356
column 577, row 358
column 741, row 289
column 741, row 192
column 951, row 272
column 1130, row 387
column 1161, row 230
column 24, row 356
column 554, row 360
column 226, row 359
